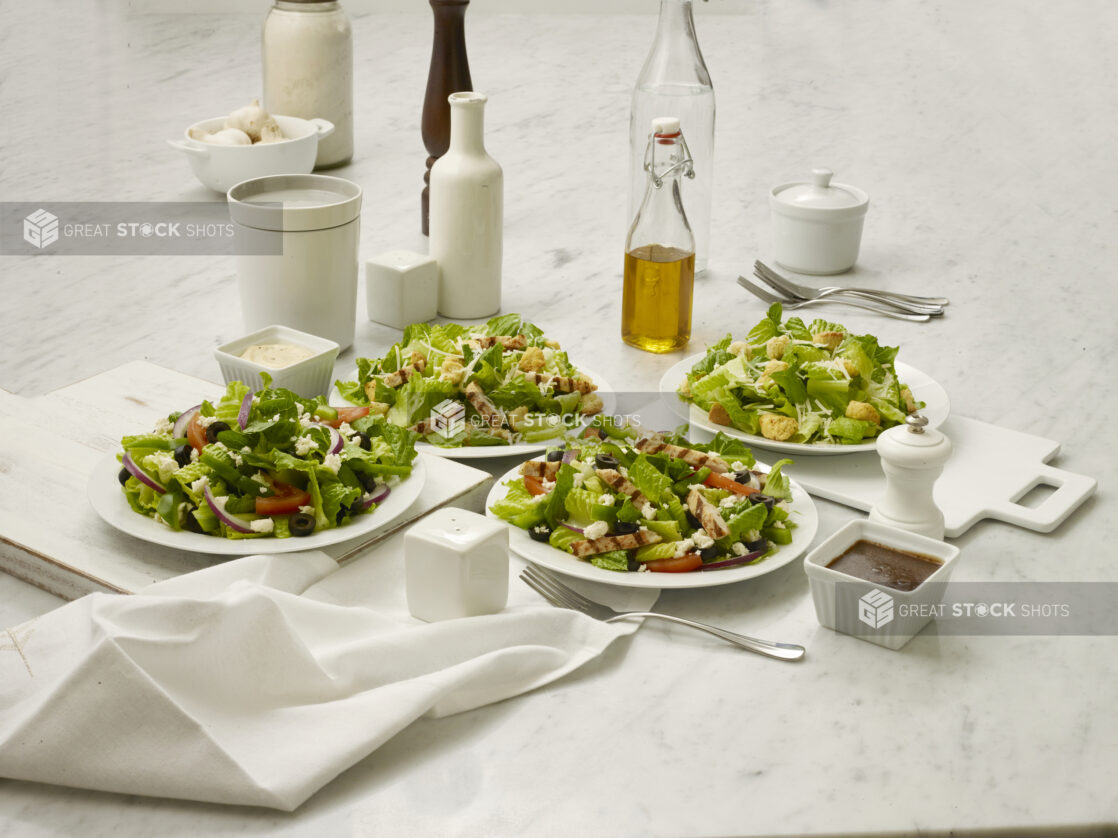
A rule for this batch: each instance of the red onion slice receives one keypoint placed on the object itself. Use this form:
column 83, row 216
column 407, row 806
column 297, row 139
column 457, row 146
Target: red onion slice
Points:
column 736, row 560
column 576, row 529
column 179, row 431
column 246, row 408
column 231, row 521
column 570, row 455
column 139, row 473
column 382, row 492
column 336, row 441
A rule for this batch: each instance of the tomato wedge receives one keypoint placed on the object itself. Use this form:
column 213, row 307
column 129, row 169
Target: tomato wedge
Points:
column 721, row 481
column 286, row 501
column 534, row 485
column 195, row 433
column 677, row 564
column 348, row 414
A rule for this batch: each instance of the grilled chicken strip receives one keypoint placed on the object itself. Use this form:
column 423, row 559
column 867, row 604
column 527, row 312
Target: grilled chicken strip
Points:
column 562, row 383
column 507, row 343
column 694, row 458
column 707, row 513
column 619, row 483
column 489, row 411
column 593, row 546
column 541, row 469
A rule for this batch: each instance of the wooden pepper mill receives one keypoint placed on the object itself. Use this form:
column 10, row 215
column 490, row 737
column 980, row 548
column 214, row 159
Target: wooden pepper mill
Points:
column 449, row 73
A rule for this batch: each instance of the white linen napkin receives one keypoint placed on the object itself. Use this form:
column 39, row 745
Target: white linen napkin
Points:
column 257, row 681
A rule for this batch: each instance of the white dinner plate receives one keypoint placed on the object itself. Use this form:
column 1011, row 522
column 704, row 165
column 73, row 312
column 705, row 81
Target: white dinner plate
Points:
column 109, row 502
column 801, row 511
column 923, row 387
column 477, row 452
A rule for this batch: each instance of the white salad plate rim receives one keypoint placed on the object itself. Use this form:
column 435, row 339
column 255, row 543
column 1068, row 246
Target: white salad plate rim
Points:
column 924, row 388
column 801, row 510
column 108, row 501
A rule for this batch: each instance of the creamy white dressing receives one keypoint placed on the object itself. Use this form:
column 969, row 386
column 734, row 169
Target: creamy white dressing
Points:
column 276, row 355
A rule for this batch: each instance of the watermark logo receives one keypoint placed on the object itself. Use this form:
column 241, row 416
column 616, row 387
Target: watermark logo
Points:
column 448, row 419
column 40, row 228
column 875, row 609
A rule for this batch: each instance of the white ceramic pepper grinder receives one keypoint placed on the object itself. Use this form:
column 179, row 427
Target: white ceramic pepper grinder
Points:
column 467, row 215
column 912, row 459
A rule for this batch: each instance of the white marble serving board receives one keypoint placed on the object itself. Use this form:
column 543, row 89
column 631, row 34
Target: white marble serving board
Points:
column 990, row 470
column 49, row 534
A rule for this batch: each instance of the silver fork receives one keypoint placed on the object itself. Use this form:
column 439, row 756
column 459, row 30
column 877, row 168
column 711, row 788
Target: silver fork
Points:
column 792, row 304
column 922, row 305
column 561, row 595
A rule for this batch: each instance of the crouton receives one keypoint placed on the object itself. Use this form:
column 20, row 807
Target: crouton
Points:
column 516, row 416
column 718, row 414
column 685, row 388
column 777, row 426
column 452, row 370
column 553, row 344
column 910, row 404
column 418, row 360
column 591, row 403
column 776, row 346
column 774, row 366
column 848, row 365
column 533, row 359
column 864, row 411
column 829, row 340
column 740, row 347
column 379, row 408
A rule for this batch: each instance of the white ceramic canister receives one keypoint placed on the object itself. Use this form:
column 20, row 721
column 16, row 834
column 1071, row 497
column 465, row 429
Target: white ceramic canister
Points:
column 467, row 215
column 817, row 225
column 307, row 49
column 297, row 240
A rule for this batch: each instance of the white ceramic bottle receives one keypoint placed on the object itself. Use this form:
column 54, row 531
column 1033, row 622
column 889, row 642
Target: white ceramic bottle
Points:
column 467, row 215
column 308, row 70
column 912, row 459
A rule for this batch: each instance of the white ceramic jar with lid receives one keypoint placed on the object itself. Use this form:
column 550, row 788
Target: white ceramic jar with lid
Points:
column 297, row 240
column 307, row 49
column 817, row 225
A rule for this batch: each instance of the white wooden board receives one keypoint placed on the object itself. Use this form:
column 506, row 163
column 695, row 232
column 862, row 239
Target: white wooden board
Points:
column 49, row 534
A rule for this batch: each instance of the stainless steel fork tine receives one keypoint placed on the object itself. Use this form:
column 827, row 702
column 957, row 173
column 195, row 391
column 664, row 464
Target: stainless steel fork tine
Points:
column 571, row 593
column 557, row 590
column 531, row 583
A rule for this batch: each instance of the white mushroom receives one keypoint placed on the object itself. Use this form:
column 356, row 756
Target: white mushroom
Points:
column 226, row 136
column 270, row 132
column 250, row 119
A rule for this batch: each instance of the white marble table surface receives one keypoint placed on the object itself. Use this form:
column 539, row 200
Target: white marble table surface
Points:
column 984, row 133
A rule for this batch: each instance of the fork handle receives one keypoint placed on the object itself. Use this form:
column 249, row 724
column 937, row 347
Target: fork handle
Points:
column 781, row 651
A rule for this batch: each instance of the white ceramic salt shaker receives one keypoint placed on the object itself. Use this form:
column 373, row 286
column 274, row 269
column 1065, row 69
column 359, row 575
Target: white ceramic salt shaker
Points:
column 912, row 459
column 456, row 565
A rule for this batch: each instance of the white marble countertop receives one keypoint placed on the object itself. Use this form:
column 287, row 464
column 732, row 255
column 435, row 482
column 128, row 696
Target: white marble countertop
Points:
column 984, row 136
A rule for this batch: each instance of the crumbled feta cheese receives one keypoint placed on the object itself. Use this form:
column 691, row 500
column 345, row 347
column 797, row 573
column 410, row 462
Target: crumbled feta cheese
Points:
column 596, row 530
column 737, row 465
column 345, row 429
column 276, row 418
column 306, row 422
column 777, row 525
column 262, row 525
column 206, row 421
column 245, row 449
column 578, row 479
column 649, row 511
column 305, row 445
column 164, row 426
column 193, row 455
column 333, row 462
column 199, row 485
column 738, row 548
column 682, row 548
column 702, row 540
column 393, row 480
column 752, row 535
column 163, row 463
column 548, row 485
column 300, row 411
column 307, row 510
column 643, row 569
column 261, row 478
column 606, row 500
column 728, row 501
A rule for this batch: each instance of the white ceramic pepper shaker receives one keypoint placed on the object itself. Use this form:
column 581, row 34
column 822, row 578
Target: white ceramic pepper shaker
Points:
column 912, row 459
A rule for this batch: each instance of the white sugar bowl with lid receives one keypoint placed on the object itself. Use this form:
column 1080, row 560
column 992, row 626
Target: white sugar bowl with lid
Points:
column 817, row 225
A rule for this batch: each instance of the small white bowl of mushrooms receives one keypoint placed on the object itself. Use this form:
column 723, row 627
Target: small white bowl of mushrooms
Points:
column 251, row 143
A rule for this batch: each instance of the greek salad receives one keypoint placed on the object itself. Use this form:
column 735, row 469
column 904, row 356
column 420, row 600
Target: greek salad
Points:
column 263, row 464
column 788, row 381
column 651, row 503
column 500, row 383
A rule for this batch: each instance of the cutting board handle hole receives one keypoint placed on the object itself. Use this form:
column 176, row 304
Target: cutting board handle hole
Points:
column 1036, row 494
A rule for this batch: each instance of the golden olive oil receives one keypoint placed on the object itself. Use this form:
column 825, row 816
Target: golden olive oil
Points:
column 656, row 300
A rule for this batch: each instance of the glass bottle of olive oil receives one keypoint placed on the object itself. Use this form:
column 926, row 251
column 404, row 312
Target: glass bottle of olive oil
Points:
column 660, row 250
